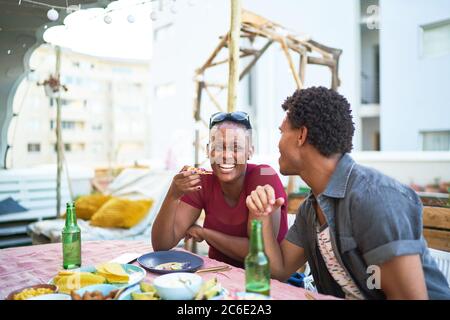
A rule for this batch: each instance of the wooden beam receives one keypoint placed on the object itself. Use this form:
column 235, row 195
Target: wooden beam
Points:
column 219, row 47
column 59, row 144
column 227, row 60
column 233, row 45
column 255, row 59
column 322, row 61
column 291, row 64
column 216, row 85
column 302, row 66
column 213, row 99
column 197, row 102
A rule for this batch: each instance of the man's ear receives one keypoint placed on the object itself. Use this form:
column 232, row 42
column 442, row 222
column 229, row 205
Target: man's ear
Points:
column 302, row 136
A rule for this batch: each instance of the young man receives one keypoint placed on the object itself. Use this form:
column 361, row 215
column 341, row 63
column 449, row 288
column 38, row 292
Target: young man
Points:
column 359, row 230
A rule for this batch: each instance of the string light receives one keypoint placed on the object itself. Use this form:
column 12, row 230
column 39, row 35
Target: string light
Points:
column 107, row 19
column 52, row 14
column 131, row 18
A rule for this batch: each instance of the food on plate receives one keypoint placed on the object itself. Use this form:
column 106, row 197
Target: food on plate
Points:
column 148, row 292
column 209, row 289
column 112, row 272
column 198, row 170
column 171, row 266
column 146, row 287
column 32, row 292
column 94, row 295
column 74, row 280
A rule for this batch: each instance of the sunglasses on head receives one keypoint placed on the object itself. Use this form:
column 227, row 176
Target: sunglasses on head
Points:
column 237, row 117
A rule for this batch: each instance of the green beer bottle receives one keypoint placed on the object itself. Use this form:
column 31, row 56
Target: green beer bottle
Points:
column 71, row 239
column 257, row 267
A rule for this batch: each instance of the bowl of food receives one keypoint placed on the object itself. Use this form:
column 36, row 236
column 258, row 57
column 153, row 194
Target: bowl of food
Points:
column 32, row 291
column 96, row 292
column 178, row 286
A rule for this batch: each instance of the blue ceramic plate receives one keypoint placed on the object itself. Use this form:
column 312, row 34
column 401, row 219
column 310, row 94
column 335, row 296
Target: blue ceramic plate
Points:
column 187, row 262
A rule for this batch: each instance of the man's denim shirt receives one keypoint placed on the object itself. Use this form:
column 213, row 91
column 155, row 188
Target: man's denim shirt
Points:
column 372, row 219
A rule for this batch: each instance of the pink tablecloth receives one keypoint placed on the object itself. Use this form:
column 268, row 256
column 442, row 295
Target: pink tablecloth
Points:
column 23, row 266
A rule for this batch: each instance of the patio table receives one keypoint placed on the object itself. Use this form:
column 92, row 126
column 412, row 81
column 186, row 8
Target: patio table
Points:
column 24, row 266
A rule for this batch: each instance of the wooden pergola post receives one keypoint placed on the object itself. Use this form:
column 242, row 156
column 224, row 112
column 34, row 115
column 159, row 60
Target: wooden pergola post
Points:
column 59, row 156
column 233, row 45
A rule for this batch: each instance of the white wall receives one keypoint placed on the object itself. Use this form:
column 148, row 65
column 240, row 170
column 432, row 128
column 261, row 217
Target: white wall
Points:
column 195, row 35
column 332, row 23
column 415, row 91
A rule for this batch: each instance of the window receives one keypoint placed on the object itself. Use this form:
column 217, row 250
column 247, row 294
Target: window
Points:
column 65, row 102
column 69, row 147
column 436, row 141
column 165, row 90
column 68, row 125
column 436, row 39
column 122, row 70
column 97, row 127
column 34, row 147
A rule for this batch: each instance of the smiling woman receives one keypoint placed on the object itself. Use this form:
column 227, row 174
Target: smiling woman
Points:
column 222, row 195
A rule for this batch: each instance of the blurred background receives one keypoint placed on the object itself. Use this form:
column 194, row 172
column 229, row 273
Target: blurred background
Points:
column 128, row 69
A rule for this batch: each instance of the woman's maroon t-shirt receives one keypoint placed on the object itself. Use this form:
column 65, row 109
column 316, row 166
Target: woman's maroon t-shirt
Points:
column 232, row 221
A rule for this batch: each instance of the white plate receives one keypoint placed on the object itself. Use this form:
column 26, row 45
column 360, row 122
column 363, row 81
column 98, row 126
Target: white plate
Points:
column 52, row 296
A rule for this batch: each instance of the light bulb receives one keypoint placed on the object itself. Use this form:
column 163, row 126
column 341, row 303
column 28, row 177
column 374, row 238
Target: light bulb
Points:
column 107, row 19
column 153, row 15
column 131, row 18
column 52, row 14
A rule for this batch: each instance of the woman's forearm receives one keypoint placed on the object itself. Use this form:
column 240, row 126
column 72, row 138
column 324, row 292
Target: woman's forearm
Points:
column 163, row 229
column 233, row 247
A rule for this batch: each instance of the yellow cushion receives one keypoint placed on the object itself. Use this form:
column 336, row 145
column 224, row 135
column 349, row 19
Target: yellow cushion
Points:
column 86, row 206
column 121, row 213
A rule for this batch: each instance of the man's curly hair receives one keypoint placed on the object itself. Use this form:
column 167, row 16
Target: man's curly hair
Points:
column 327, row 116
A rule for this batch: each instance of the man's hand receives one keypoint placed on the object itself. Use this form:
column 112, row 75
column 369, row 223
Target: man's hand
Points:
column 262, row 202
column 195, row 232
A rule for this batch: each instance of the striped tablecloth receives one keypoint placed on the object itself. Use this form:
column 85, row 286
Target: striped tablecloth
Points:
column 23, row 266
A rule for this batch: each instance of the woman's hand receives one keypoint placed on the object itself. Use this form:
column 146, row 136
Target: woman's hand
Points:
column 262, row 202
column 195, row 232
column 185, row 182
